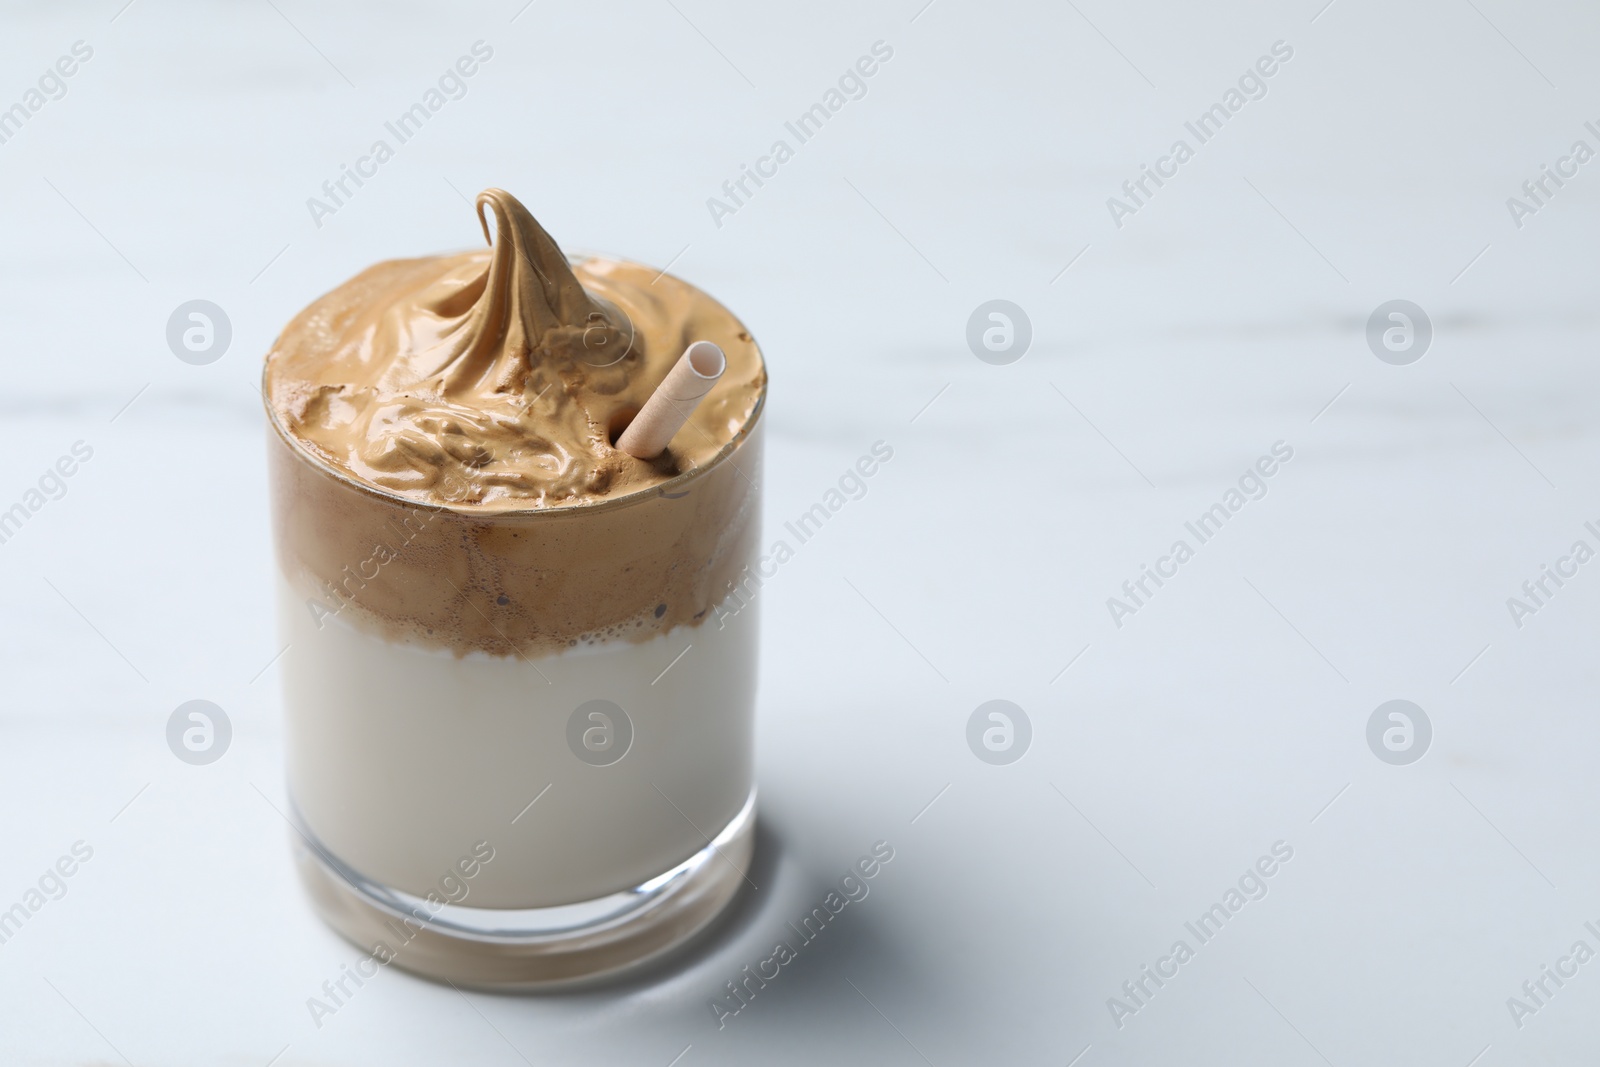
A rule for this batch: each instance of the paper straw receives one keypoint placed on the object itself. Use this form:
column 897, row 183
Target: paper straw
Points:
column 674, row 400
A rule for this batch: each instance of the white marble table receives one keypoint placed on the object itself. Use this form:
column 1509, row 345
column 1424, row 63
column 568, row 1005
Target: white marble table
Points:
column 1169, row 753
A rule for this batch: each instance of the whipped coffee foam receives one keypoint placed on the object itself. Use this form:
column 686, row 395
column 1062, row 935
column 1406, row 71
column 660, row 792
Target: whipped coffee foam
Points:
column 498, row 379
column 516, row 583
column 442, row 457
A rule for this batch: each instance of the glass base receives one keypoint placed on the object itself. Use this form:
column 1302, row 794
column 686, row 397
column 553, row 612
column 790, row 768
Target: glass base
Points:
column 532, row 948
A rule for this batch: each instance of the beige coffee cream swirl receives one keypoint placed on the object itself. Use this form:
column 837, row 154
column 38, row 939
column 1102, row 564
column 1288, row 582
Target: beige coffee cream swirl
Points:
column 445, row 456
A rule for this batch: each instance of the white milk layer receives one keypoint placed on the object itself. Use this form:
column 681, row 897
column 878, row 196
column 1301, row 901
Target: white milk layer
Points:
column 401, row 758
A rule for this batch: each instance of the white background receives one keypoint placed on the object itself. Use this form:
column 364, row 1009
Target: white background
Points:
column 1224, row 316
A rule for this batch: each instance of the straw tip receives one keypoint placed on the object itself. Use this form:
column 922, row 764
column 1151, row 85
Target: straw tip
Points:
column 706, row 359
